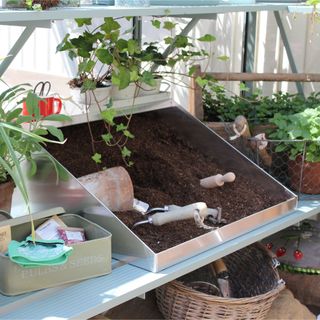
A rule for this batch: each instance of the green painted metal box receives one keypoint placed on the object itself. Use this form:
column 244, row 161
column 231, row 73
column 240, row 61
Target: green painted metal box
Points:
column 89, row 259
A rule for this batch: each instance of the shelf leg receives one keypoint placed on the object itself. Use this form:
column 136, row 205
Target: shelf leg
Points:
column 184, row 32
column 249, row 45
column 25, row 35
column 288, row 50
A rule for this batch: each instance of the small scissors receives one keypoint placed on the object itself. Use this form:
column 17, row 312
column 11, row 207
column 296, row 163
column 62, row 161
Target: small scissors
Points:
column 42, row 86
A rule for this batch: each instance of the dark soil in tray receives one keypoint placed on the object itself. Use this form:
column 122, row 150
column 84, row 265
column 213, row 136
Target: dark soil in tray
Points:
column 166, row 171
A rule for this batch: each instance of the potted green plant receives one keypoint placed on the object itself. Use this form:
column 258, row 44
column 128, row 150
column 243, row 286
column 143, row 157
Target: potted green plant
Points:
column 92, row 49
column 298, row 136
column 21, row 137
column 128, row 65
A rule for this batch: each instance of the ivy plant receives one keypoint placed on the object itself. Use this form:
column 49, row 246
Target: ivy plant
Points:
column 258, row 109
column 122, row 60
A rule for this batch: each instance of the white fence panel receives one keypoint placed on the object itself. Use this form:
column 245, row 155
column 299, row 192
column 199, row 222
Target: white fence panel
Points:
column 38, row 55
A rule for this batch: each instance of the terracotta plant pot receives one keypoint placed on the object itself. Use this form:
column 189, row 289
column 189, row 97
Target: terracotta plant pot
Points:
column 112, row 186
column 6, row 191
column 305, row 174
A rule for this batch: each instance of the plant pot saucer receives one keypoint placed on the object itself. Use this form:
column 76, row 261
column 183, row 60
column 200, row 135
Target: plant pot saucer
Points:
column 305, row 239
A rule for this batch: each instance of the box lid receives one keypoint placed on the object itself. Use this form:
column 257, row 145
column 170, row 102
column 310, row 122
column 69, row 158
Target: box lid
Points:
column 34, row 216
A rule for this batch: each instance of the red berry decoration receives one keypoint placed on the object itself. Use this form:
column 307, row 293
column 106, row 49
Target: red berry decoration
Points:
column 269, row 245
column 298, row 255
column 281, row 251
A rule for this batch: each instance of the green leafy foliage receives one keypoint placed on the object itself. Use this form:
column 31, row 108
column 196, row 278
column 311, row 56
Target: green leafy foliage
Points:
column 105, row 53
column 96, row 157
column 304, row 126
column 18, row 143
column 258, row 109
column 207, row 38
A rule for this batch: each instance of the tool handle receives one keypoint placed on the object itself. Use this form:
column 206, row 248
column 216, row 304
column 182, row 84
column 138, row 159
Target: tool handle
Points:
column 212, row 181
column 217, row 180
column 183, row 213
column 219, row 266
column 229, row 177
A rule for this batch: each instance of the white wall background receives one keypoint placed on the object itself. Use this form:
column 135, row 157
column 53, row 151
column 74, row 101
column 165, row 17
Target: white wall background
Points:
column 39, row 56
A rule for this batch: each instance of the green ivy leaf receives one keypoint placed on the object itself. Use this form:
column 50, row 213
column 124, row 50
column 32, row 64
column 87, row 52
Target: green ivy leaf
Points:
column 168, row 25
column 223, row 58
column 84, row 53
column 107, row 137
column 110, row 25
column 82, row 43
column 125, row 152
column 65, row 44
column 201, row 82
column 156, row 23
column 243, row 87
column 128, row 134
column 130, row 163
column 122, row 45
column 104, row 56
column 192, row 70
column 108, row 115
column 133, row 46
column 88, row 85
column 114, row 36
column 121, row 78
column 83, row 22
column 72, row 55
column 168, row 40
column 96, row 157
column 121, row 127
column 181, row 41
column 86, row 66
column 147, row 77
column 207, row 38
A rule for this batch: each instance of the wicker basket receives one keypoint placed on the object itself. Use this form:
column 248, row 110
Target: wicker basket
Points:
column 254, row 284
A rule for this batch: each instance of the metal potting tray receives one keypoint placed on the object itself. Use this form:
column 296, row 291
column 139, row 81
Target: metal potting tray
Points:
column 126, row 246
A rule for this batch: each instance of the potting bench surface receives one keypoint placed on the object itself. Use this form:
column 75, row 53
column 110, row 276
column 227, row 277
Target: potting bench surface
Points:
column 100, row 11
column 87, row 298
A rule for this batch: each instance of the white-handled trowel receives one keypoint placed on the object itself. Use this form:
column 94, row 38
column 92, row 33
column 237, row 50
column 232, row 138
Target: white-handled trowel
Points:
column 176, row 214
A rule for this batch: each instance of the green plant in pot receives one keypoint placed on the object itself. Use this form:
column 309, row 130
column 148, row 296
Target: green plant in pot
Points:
column 101, row 48
column 21, row 139
column 91, row 49
column 126, row 63
column 298, row 136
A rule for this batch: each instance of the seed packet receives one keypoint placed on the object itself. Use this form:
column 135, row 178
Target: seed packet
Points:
column 71, row 235
column 49, row 229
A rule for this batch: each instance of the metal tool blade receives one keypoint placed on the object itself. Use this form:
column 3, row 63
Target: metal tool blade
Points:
column 222, row 275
